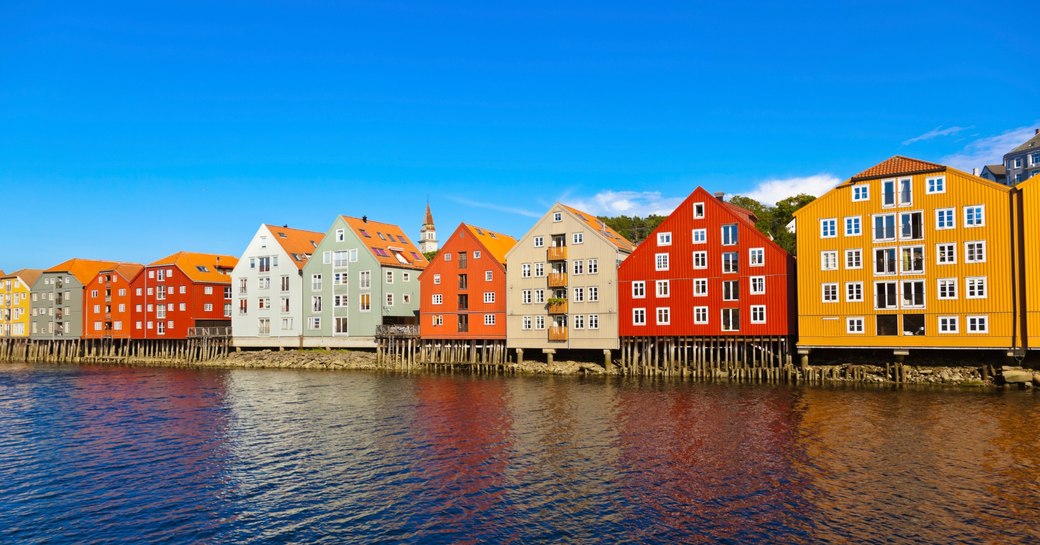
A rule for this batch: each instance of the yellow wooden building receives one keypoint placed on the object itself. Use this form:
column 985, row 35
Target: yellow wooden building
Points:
column 908, row 254
column 15, row 289
column 1028, row 207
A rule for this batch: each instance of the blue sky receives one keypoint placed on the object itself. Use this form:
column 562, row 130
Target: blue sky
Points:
column 132, row 130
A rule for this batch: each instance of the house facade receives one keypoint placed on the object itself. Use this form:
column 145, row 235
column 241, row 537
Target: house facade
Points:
column 907, row 254
column 182, row 292
column 267, row 284
column 707, row 271
column 1023, row 162
column 15, row 291
column 363, row 274
column 1028, row 246
column 57, row 299
column 561, row 280
column 108, row 306
column 464, row 288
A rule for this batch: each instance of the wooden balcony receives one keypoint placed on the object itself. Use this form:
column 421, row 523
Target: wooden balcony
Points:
column 556, row 253
column 557, row 334
column 558, row 308
column 557, row 280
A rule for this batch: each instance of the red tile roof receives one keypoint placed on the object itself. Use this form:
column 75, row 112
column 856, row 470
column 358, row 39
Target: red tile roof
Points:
column 83, row 269
column 299, row 244
column 598, row 225
column 496, row 243
column 898, row 165
column 387, row 243
column 28, row 276
column 205, row 268
column 128, row 271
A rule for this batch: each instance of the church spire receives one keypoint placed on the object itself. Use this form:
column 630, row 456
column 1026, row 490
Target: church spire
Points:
column 428, row 233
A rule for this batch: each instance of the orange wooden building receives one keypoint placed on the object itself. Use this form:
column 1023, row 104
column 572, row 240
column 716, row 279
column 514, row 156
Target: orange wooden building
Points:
column 108, row 309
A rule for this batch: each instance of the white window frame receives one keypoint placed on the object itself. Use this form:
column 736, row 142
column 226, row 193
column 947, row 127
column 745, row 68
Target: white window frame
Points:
column 702, row 257
column 698, row 210
column 939, row 253
column 700, row 315
column 851, row 297
column 858, row 254
column 952, row 325
column 980, row 218
column 976, row 287
column 639, row 289
column 945, row 218
column 829, row 225
column 699, row 236
column 829, row 260
column 761, row 280
column 976, row 329
column 760, row 261
column 853, row 221
column 854, row 325
column 663, row 316
column 664, row 239
column 661, row 261
column 935, row 184
column 982, row 246
column 758, row 309
column 829, row 287
column 639, row 316
column 857, row 190
column 948, row 285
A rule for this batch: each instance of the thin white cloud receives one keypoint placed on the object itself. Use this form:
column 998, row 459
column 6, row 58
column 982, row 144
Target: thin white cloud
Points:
column 624, row 203
column 989, row 150
column 777, row 189
column 496, row 207
column 934, row 133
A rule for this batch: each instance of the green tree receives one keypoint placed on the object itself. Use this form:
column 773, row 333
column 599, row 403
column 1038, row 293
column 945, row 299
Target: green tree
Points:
column 634, row 228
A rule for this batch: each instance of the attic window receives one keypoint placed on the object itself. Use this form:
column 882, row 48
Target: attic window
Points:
column 202, row 268
column 402, row 239
column 282, row 235
column 492, row 235
column 380, row 252
column 315, row 244
column 415, row 255
column 400, row 258
column 479, row 232
column 381, row 237
column 364, row 233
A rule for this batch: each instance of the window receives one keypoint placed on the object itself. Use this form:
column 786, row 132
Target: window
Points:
column 557, row 216
column 579, row 295
column 830, row 293
column 729, row 234
column 285, row 283
column 437, row 299
column 935, row 185
column 854, row 325
column 539, row 296
column 854, row 292
column 885, row 261
column 341, row 235
column 264, row 281
column 758, row 285
column 539, row 322
column 978, row 324
column 730, row 290
column 860, row 192
column 829, row 260
column 326, row 258
column 593, row 321
column 944, row 218
column 913, row 259
column 592, row 266
column 730, row 262
column 885, row 295
column 593, row 294
column 639, row 316
column 731, row 319
column 948, row 324
column 638, row 289
column 539, row 270
column 489, row 297
column 888, row 193
column 975, row 287
column 853, row 226
column 828, row 228
column 489, row 319
column 947, row 288
column 854, row 259
column 436, row 279
column 315, row 282
column 525, row 322
column 389, row 299
column 315, row 303
column 885, row 227
column 947, row 253
column 447, row 256
column 913, row 294
column 664, row 239
column 314, row 322
column 525, row 297
column 700, row 287
column 539, row 242
column 700, row 260
column 700, row 315
column 975, row 252
column 700, row 236
column 578, row 266
column 905, row 191
column 525, row 270
column 664, row 316
column 489, row 276
column 757, row 257
column 577, row 238
column 698, row 210
column 974, row 216
column 661, row 262
column 389, row 277
column 663, row 289
column 911, row 226
column 365, row 302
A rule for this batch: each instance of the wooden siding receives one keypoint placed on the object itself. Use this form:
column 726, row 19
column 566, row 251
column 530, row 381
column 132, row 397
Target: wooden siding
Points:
column 824, row 324
column 777, row 270
column 1030, row 231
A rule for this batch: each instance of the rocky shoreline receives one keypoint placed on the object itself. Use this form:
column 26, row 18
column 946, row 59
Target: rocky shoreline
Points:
column 960, row 376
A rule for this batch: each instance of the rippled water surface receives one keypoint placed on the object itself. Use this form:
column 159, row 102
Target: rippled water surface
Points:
column 115, row 455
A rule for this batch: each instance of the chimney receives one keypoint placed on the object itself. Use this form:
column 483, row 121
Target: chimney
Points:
column 1036, row 131
column 975, row 171
column 364, row 219
column 720, row 195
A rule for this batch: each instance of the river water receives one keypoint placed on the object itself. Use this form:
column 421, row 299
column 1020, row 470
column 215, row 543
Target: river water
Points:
column 125, row 455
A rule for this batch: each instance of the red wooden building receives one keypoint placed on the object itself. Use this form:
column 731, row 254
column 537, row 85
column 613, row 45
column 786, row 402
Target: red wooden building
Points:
column 464, row 289
column 182, row 292
column 108, row 306
column 706, row 273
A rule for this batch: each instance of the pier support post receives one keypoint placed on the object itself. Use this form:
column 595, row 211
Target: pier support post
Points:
column 608, row 363
column 548, row 355
column 519, row 356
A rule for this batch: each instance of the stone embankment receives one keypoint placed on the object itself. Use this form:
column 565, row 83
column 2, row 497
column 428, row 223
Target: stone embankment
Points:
column 834, row 374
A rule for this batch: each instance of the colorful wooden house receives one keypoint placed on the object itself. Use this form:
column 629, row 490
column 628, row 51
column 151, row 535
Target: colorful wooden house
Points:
column 706, row 273
column 907, row 255
column 184, row 295
column 108, row 307
column 464, row 291
column 15, row 291
column 1027, row 245
column 367, row 276
column 57, row 298
column 268, row 287
column 561, row 282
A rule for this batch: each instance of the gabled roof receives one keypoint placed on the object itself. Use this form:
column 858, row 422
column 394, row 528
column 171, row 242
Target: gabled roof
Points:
column 27, row 276
column 612, row 236
column 128, row 271
column 496, row 244
column 299, row 244
column 387, row 243
column 898, row 165
column 83, row 269
column 208, row 268
column 996, row 170
column 1032, row 143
